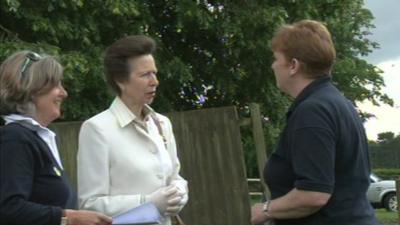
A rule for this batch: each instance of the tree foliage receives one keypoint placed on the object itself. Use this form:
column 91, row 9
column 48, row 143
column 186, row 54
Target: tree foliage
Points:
column 386, row 137
column 386, row 141
column 211, row 53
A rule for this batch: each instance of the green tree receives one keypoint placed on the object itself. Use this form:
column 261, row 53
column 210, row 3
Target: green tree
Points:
column 386, row 140
column 386, row 137
column 211, row 53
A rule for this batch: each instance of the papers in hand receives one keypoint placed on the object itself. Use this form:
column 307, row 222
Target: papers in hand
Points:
column 143, row 214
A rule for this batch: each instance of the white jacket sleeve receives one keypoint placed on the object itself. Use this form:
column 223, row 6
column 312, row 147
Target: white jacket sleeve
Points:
column 94, row 175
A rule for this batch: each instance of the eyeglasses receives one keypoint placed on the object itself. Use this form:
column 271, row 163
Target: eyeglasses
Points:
column 31, row 57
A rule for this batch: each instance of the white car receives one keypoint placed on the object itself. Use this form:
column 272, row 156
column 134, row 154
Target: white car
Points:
column 382, row 193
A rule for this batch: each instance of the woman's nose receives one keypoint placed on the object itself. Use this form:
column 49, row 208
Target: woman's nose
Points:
column 154, row 80
column 64, row 92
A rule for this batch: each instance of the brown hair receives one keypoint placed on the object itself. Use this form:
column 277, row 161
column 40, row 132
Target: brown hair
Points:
column 309, row 42
column 18, row 87
column 117, row 55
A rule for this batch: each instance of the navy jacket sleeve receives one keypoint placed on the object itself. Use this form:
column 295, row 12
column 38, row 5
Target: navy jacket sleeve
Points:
column 17, row 162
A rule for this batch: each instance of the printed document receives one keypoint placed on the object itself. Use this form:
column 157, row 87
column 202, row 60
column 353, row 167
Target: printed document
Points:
column 141, row 215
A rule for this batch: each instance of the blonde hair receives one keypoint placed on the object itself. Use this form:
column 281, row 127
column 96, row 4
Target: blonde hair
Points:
column 22, row 80
column 310, row 42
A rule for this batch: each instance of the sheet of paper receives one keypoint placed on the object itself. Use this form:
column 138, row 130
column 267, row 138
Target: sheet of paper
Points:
column 143, row 214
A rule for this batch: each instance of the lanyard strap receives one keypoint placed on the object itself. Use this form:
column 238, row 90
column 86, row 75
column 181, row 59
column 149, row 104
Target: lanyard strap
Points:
column 160, row 131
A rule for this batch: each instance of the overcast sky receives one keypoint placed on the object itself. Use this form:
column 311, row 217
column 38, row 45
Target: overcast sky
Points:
column 387, row 58
column 387, row 31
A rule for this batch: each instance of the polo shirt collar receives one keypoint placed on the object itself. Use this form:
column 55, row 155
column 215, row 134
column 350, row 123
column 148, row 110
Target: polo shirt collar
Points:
column 307, row 91
column 124, row 115
column 28, row 122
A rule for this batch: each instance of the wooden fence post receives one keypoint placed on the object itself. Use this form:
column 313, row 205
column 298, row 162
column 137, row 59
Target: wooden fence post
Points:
column 259, row 141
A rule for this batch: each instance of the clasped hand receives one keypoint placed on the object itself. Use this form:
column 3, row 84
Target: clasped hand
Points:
column 167, row 199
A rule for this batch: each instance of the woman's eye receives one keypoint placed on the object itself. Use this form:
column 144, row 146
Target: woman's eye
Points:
column 148, row 74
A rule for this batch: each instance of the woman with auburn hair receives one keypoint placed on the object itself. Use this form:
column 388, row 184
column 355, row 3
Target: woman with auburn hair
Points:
column 319, row 171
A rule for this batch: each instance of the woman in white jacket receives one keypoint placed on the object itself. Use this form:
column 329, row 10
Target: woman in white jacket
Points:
column 127, row 153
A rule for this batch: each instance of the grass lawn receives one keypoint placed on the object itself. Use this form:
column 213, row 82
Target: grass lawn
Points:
column 386, row 217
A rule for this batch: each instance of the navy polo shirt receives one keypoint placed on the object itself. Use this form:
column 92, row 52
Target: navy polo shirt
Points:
column 323, row 148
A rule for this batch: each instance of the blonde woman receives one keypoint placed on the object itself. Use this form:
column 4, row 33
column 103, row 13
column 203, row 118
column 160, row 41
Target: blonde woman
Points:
column 33, row 185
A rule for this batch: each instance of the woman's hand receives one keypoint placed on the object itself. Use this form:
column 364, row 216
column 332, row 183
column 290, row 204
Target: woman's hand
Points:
column 175, row 204
column 162, row 196
column 84, row 217
column 258, row 216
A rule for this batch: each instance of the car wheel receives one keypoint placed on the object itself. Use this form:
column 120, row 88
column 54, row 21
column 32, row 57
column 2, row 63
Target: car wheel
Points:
column 390, row 202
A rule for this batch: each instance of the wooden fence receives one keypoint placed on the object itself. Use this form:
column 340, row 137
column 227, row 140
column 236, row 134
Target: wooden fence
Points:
column 211, row 154
column 67, row 134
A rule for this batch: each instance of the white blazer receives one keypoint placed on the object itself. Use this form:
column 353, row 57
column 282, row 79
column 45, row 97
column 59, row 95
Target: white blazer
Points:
column 119, row 162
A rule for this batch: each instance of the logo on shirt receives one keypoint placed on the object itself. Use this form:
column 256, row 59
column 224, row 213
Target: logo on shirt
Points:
column 57, row 171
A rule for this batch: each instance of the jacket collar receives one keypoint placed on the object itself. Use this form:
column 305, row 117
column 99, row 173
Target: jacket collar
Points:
column 124, row 115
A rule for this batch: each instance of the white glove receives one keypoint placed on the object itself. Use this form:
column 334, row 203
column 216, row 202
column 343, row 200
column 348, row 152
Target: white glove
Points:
column 174, row 204
column 182, row 189
column 161, row 196
column 178, row 201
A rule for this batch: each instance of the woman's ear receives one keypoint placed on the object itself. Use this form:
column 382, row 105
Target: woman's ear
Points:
column 294, row 66
column 120, row 85
column 33, row 98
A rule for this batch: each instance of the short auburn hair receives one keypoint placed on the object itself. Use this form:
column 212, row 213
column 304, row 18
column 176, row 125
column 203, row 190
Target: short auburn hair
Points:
column 310, row 42
column 118, row 54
